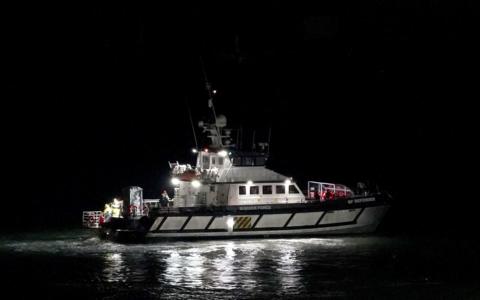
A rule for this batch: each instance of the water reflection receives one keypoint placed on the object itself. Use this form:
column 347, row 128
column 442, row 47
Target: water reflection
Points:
column 183, row 267
column 289, row 267
column 195, row 267
column 360, row 267
column 248, row 269
column 223, row 265
column 115, row 269
column 278, row 266
column 174, row 270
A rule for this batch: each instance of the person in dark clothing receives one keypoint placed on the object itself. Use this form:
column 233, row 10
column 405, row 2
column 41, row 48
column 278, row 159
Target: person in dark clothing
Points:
column 328, row 195
column 164, row 199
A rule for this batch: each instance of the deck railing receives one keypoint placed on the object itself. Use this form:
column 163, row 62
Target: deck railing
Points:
column 327, row 191
column 91, row 219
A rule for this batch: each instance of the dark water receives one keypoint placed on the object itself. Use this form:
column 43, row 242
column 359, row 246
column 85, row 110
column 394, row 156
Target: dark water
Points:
column 77, row 265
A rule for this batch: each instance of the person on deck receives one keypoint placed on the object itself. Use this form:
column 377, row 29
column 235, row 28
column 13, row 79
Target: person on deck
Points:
column 164, row 199
column 328, row 195
column 107, row 212
column 116, row 208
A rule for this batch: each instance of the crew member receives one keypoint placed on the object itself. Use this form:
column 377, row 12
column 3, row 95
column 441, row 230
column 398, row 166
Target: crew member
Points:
column 164, row 199
column 116, row 208
column 328, row 195
column 107, row 212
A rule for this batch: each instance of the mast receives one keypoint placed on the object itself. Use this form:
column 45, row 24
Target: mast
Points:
column 215, row 129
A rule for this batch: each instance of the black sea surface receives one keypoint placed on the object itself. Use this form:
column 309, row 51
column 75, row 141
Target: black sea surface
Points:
column 76, row 264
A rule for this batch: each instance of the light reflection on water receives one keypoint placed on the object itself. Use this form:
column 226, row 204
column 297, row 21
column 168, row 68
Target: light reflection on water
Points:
column 225, row 265
column 115, row 268
column 230, row 268
column 288, row 268
column 224, row 273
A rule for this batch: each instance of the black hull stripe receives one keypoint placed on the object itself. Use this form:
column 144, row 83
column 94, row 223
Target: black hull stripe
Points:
column 359, row 213
column 161, row 223
column 289, row 219
column 210, row 223
column 256, row 221
column 186, row 222
column 320, row 219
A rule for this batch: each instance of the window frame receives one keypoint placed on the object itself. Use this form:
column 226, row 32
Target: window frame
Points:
column 296, row 190
column 206, row 162
column 282, row 186
column 240, row 188
column 267, row 186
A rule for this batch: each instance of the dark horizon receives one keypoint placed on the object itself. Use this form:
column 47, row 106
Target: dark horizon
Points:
column 376, row 92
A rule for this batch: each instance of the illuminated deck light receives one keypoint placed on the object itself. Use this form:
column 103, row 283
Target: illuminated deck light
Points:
column 230, row 223
column 196, row 184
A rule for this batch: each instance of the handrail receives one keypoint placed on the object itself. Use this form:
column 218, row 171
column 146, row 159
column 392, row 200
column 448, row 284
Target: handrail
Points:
column 91, row 219
column 322, row 187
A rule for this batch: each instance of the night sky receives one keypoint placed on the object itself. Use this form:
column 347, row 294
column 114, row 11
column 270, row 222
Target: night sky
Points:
column 378, row 91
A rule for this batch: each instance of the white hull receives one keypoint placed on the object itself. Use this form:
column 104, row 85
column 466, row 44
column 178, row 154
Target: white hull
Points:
column 341, row 221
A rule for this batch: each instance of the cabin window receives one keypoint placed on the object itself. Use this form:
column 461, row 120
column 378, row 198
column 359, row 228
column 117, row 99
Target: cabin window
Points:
column 254, row 190
column 220, row 161
column 206, row 162
column 213, row 160
column 280, row 189
column 267, row 189
column 293, row 189
column 242, row 190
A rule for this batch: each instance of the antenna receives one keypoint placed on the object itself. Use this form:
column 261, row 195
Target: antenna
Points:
column 191, row 123
column 208, row 86
column 207, row 83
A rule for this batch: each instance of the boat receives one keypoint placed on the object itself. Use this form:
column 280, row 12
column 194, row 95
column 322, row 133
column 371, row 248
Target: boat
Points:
column 230, row 193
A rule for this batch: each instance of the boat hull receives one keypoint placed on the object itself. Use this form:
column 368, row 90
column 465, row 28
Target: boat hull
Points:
column 339, row 217
column 352, row 216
